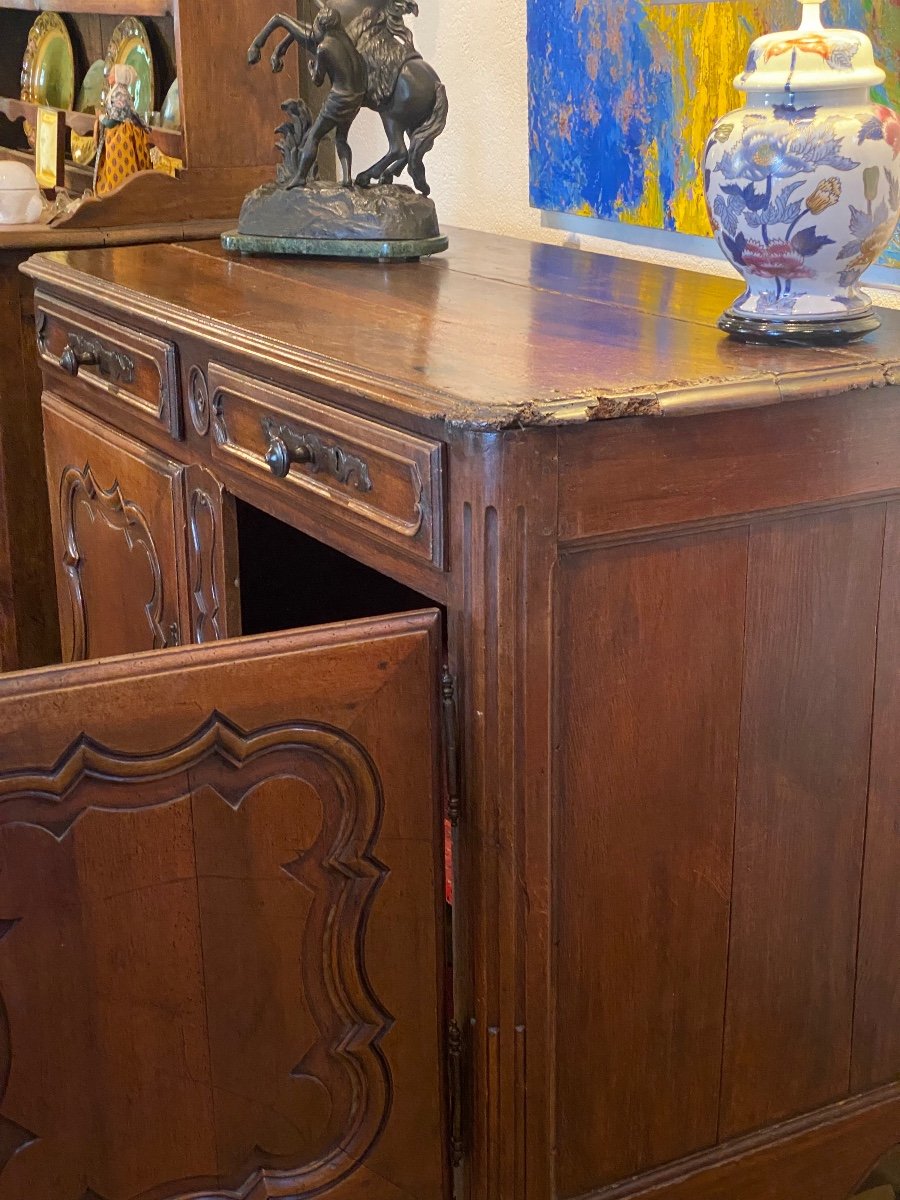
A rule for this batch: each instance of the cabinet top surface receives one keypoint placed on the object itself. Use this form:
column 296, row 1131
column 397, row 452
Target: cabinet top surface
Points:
column 497, row 333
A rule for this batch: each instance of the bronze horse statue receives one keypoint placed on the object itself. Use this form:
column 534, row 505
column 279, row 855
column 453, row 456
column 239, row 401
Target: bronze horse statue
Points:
column 401, row 86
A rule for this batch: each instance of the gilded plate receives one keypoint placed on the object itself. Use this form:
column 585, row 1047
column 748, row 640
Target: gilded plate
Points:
column 129, row 45
column 90, row 99
column 48, row 68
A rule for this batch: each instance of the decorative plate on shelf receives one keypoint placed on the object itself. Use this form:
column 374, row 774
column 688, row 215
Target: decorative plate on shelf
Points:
column 130, row 46
column 48, row 68
column 170, row 113
column 90, row 98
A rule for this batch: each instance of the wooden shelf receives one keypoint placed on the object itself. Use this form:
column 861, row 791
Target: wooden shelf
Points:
column 149, row 8
column 77, row 178
column 169, row 141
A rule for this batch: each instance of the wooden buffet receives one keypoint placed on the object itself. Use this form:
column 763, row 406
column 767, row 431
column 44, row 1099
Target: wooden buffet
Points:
column 512, row 539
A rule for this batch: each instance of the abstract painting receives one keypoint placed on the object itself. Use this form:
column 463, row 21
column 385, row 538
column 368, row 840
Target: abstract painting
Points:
column 623, row 93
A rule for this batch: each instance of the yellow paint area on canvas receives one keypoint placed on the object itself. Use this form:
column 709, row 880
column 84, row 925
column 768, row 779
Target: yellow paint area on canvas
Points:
column 708, row 44
column 651, row 210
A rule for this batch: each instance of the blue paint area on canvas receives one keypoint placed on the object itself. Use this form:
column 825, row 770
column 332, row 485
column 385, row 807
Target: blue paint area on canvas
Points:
column 579, row 156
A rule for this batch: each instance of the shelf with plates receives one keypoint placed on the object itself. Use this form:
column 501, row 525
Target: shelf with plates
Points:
column 149, row 8
column 210, row 117
column 169, row 141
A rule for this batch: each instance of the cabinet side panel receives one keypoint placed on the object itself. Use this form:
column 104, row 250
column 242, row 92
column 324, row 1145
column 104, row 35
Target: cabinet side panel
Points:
column 29, row 630
column 714, row 466
column 876, row 1033
column 806, row 723
column 649, row 645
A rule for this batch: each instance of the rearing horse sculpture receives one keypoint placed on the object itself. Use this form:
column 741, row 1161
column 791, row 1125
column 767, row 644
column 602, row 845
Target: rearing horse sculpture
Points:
column 402, row 87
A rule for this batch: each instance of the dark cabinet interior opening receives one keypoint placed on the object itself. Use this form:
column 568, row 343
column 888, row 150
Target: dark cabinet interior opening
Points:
column 289, row 580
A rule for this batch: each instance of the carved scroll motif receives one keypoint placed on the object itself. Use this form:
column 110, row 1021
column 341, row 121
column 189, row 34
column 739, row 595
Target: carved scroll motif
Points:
column 198, row 400
column 318, row 771
column 109, row 505
column 202, row 545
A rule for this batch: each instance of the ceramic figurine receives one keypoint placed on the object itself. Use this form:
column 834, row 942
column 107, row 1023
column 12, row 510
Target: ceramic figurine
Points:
column 803, row 184
column 122, row 136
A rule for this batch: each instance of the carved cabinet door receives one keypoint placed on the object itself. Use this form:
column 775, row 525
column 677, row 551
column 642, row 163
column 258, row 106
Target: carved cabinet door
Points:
column 116, row 508
column 221, row 960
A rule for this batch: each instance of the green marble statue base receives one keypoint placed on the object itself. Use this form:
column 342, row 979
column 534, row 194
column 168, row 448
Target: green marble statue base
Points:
column 369, row 248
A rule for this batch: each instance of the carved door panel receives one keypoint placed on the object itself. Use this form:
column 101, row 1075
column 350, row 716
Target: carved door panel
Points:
column 117, row 515
column 220, row 944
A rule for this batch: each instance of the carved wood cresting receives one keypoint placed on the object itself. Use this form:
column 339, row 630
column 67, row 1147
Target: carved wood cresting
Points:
column 78, row 486
column 325, row 803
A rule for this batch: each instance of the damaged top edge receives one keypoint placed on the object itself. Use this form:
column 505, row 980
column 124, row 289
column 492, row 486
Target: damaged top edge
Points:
column 487, row 394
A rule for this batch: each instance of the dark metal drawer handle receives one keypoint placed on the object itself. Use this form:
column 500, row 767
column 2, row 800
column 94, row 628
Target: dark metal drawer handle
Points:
column 83, row 351
column 287, row 446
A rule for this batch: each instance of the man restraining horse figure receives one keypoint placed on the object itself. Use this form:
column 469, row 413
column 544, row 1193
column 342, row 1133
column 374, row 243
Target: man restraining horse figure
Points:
column 338, row 60
column 399, row 84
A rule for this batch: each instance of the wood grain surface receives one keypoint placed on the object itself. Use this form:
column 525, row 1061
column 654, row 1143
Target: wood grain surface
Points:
column 220, row 953
column 496, row 333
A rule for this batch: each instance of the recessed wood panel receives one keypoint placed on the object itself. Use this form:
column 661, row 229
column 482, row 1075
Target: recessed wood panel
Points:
column 876, row 1033
column 663, row 473
column 220, row 951
column 828, row 1157
column 649, row 644
column 812, row 607
column 116, row 509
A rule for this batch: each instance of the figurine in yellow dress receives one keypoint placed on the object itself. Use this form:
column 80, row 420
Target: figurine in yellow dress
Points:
column 123, row 138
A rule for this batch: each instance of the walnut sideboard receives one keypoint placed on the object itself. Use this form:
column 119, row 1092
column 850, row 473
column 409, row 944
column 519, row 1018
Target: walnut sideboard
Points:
column 508, row 802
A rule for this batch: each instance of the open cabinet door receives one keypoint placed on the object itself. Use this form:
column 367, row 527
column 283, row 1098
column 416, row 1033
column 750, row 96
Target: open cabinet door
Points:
column 221, row 964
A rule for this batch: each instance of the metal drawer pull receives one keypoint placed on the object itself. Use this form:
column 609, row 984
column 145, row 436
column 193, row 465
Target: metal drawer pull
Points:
column 88, row 352
column 287, row 446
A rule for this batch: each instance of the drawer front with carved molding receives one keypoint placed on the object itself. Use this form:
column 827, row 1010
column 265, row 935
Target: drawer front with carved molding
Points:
column 384, row 482
column 134, row 370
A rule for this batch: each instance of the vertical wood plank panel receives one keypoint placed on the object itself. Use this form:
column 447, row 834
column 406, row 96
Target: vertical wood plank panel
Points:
column 649, row 644
column 876, row 1033
column 806, row 724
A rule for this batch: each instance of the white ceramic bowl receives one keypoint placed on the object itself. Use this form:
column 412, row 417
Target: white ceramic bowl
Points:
column 20, row 197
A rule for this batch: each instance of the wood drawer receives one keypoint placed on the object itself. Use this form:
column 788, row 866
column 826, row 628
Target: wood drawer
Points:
column 384, row 482
column 135, row 369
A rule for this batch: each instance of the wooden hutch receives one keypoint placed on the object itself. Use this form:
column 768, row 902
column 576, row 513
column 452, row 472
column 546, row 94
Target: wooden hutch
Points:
column 627, row 601
column 226, row 146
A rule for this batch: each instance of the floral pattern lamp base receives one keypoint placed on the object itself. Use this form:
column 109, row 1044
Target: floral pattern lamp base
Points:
column 803, row 184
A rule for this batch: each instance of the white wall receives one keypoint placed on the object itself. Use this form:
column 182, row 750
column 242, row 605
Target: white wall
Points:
column 479, row 167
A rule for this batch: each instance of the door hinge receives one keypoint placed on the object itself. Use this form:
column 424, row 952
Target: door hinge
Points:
column 451, row 744
column 455, row 1081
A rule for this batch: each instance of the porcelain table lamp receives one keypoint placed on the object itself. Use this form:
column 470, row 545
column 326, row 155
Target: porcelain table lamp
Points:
column 803, row 184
